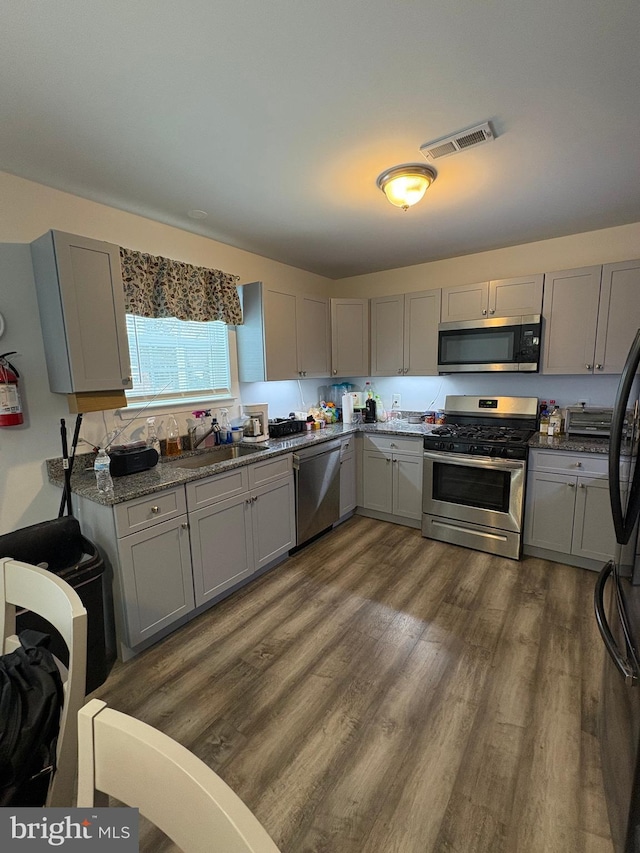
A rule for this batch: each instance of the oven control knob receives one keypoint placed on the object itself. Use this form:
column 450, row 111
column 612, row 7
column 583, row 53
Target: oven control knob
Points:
column 451, row 446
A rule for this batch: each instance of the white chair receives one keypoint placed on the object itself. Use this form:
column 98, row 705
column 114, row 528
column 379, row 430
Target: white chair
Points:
column 143, row 768
column 52, row 598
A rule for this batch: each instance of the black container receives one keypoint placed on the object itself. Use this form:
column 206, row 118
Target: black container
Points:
column 280, row 427
column 370, row 411
column 59, row 546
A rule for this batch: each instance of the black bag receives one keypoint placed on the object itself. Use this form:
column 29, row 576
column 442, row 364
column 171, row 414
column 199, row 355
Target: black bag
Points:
column 31, row 697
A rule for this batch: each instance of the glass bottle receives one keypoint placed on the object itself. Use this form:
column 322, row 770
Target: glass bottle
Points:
column 174, row 442
column 104, row 482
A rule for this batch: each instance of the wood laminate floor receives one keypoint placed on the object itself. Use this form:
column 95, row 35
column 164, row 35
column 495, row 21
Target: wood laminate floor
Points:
column 383, row 692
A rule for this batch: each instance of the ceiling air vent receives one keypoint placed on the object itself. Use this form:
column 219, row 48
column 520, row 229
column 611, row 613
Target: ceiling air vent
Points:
column 458, row 142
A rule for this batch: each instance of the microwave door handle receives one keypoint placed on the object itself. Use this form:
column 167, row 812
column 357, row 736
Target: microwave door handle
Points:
column 469, row 461
column 621, row 663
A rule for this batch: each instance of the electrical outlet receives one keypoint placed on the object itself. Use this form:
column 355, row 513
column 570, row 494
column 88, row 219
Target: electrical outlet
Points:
column 395, row 401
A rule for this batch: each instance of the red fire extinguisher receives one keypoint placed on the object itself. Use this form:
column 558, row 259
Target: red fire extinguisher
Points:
column 10, row 407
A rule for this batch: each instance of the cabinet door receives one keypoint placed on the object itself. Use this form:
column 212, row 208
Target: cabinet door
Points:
column 407, row 485
column 221, row 546
column 377, row 481
column 549, row 511
column 570, row 312
column 593, row 533
column 81, row 302
column 349, row 337
column 421, row 318
column 618, row 315
column 313, row 332
column 280, row 323
column 156, row 578
column 347, row 483
column 387, row 335
column 273, row 521
column 465, row 302
column 513, row 297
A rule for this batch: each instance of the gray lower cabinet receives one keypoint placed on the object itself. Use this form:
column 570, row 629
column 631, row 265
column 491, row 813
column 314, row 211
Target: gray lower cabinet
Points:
column 146, row 543
column 172, row 552
column 567, row 512
column 392, row 478
column 240, row 523
column 156, row 578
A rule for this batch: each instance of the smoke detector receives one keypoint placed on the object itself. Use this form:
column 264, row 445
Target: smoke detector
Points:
column 470, row 138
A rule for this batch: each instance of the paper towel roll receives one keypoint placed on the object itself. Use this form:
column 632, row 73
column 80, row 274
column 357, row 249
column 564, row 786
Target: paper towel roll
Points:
column 347, row 408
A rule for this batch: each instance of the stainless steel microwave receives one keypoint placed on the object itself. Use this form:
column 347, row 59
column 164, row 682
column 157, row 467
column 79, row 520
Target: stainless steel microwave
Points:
column 482, row 346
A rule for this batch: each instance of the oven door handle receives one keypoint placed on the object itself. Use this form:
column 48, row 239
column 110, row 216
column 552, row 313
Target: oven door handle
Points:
column 470, row 461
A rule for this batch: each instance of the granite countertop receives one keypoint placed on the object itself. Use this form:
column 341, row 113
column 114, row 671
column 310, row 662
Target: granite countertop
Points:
column 167, row 472
column 576, row 443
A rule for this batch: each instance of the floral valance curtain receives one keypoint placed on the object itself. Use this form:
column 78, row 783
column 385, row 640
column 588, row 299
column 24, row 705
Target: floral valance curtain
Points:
column 160, row 287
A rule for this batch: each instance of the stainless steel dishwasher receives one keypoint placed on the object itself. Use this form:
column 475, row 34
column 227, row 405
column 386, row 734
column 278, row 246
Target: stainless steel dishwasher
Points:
column 317, row 473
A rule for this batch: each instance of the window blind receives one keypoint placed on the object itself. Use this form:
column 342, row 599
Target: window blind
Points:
column 173, row 359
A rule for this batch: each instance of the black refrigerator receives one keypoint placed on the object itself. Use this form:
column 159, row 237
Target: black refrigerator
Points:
column 617, row 608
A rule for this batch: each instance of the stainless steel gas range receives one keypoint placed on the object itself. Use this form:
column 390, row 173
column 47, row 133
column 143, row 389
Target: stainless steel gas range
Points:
column 475, row 473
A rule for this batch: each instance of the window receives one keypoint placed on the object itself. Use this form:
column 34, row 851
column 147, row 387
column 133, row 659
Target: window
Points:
column 176, row 359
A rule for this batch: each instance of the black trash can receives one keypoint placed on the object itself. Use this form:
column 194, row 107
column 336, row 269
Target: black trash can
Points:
column 59, row 546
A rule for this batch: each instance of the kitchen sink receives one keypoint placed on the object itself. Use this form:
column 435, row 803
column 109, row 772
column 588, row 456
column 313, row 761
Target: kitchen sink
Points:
column 222, row 454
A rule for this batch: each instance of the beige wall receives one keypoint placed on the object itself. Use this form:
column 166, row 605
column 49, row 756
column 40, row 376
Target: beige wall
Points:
column 28, row 210
column 577, row 250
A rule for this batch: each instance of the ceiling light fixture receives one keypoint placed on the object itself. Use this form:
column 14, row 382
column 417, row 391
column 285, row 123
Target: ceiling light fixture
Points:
column 405, row 185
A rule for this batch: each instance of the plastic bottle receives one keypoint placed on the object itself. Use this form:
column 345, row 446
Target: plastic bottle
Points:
column 381, row 412
column 152, row 436
column 174, row 442
column 555, row 420
column 210, row 440
column 104, row 482
column 367, row 394
column 217, row 432
column 544, row 420
column 225, row 427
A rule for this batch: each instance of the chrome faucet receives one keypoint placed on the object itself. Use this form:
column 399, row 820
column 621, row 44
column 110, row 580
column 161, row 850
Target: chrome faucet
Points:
column 195, row 443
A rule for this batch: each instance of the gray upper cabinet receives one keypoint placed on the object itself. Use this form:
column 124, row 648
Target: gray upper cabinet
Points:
column 404, row 334
column 590, row 318
column 284, row 335
column 350, row 337
column 421, row 313
column 618, row 315
column 507, row 297
column 81, row 302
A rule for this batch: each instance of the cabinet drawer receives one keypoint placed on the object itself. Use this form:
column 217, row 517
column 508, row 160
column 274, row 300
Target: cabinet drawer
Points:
column 590, row 464
column 392, row 444
column 580, row 464
column 269, row 470
column 143, row 512
column 220, row 487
